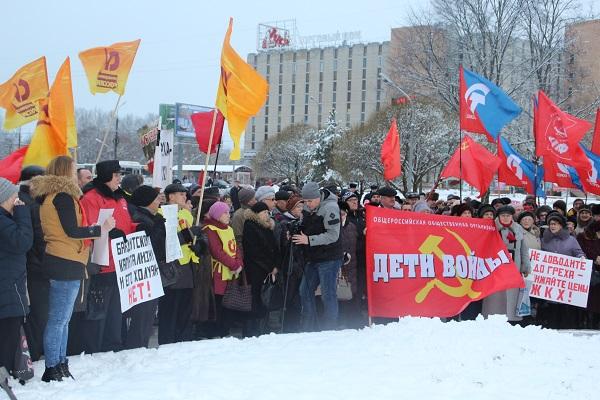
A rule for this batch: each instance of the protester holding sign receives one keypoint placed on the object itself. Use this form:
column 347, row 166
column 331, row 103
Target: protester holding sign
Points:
column 67, row 233
column 556, row 239
column 175, row 307
column 147, row 202
column 102, row 327
column 505, row 302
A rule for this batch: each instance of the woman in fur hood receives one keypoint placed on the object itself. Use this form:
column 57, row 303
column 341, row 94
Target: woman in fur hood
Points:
column 261, row 258
column 67, row 234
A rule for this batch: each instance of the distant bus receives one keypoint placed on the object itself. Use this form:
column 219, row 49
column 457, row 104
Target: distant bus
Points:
column 128, row 167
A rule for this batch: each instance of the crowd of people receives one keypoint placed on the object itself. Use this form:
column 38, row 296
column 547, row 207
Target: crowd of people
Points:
column 304, row 241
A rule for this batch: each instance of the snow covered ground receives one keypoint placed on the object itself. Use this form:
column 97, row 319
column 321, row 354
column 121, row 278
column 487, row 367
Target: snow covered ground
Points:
column 412, row 359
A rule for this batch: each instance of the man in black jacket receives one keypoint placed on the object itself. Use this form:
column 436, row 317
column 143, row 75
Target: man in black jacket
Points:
column 38, row 284
column 321, row 237
column 141, row 316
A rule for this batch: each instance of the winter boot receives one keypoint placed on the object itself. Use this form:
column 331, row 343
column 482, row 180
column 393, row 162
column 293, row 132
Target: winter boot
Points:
column 52, row 374
column 64, row 370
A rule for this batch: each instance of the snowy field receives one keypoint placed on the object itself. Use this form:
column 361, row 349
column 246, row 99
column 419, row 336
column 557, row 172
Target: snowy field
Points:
column 412, row 359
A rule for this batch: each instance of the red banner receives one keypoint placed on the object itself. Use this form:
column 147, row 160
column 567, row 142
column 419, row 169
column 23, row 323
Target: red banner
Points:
column 432, row 265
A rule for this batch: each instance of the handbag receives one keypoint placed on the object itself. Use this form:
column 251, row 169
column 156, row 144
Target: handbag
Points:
column 23, row 370
column 271, row 293
column 344, row 289
column 169, row 273
column 238, row 295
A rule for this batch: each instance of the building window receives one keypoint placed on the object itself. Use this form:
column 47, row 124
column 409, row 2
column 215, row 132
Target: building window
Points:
column 364, row 85
column 306, row 88
column 349, row 86
column 307, row 56
column 321, row 54
column 293, row 99
column 279, row 99
column 268, row 69
column 333, row 105
column 350, row 52
column 362, row 117
column 364, row 62
column 319, row 120
column 280, row 69
column 349, row 63
column 266, row 128
column 266, row 120
column 294, row 67
column 293, row 78
column 253, row 146
column 305, row 119
column 280, row 89
column 363, row 95
column 335, row 52
column 266, row 110
column 306, row 109
column 380, row 61
column 320, row 77
column 334, row 97
column 334, row 65
column 378, row 84
column 321, row 66
column 293, row 88
column 292, row 109
column 320, row 86
column 266, row 137
column 365, row 51
column 335, row 75
column 307, row 68
column 379, row 95
column 280, row 58
column 253, row 129
column 362, row 108
column 306, row 98
column 334, row 86
column 278, row 128
column 279, row 112
column 380, row 50
column 349, row 75
column 294, row 56
column 307, row 78
column 377, row 107
column 348, row 104
column 364, row 74
column 268, row 58
column 292, row 119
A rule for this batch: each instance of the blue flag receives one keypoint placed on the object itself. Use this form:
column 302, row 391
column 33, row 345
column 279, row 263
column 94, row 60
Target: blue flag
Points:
column 517, row 171
column 487, row 103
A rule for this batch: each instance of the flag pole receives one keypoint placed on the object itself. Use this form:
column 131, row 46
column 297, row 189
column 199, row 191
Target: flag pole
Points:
column 112, row 119
column 460, row 183
column 210, row 139
column 216, row 161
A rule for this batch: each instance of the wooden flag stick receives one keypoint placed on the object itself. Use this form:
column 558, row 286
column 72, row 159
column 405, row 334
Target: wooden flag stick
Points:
column 210, row 140
column 110, row 124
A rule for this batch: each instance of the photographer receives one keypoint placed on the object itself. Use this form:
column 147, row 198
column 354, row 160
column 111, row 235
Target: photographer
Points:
column 321, row 239
column 289, row 225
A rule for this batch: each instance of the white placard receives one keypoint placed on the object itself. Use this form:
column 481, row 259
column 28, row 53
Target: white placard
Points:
column 163, row 160
column 138, row 276
column 560, row 278
column 100, row 250
column 172, row 246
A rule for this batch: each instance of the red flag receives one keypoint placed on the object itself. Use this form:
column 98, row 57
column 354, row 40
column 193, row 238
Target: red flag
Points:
column 557, row 172
column 390, row 153
column 202, row 122
column 478, row 165
column 596, row 138
column 433, row 265
column 505, row 173
column 468, row 120
column 10, row 166
column 558, row 133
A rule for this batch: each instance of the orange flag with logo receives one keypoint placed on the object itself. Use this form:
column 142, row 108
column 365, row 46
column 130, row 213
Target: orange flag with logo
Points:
column 21, row 93
column 241, row 94
column 107, row 68
column 55, row 131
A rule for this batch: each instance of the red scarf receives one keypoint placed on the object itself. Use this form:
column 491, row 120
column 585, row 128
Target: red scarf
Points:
column 510, row 236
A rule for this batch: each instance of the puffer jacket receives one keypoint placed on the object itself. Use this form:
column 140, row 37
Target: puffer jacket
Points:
column 561, row 243
column 16, row 238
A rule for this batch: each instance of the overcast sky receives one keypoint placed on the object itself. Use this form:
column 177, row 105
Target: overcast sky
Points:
column 178, row 59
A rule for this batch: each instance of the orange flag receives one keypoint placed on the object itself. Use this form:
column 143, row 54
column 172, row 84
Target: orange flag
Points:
column 21, row 93
column 390, row 154
column 241, row 94
column 107, row 68
column 55, row 130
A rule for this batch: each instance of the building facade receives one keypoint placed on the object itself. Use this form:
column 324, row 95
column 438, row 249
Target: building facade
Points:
column 305, row 85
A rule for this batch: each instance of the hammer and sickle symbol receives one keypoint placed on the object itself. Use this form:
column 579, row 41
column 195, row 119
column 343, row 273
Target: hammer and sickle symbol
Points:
column 431, row 245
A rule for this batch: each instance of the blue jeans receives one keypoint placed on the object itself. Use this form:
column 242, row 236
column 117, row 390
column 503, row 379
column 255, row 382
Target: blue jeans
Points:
column 60, row 307
column 324, row 273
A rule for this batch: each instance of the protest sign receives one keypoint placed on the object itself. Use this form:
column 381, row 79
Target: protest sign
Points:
column 173, row 248
column 138, row 276
column 163, row 159
column 432, row 265
column 560, row 278
column 100, row 250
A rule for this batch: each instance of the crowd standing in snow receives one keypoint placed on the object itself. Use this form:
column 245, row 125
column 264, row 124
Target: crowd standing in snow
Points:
column 299, row 252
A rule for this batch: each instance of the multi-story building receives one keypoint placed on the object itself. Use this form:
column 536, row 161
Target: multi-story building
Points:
column 582, row 83
column 306, row 84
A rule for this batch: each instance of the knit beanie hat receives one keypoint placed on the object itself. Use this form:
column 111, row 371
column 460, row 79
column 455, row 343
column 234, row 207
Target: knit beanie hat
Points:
column 7, row 189
column 217, row 210
column 265, row 192
column 30, row 171
column 144, row 196
column 259, row 207
column 282, row 195
column 556, row 216
column 348, row 195
column 292, row 201
column 311, row 191
column 245, row 195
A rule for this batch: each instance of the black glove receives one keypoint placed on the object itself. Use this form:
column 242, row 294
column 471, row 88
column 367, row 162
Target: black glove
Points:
column 115, row 233
column 200, row 248
column 196, row 230
column 185, row 236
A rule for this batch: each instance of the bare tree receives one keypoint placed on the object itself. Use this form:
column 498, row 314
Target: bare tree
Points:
column 430, row 139
column 286, row 156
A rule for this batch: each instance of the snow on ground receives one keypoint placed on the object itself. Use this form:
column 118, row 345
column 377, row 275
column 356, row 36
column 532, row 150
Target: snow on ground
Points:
column 412, row 359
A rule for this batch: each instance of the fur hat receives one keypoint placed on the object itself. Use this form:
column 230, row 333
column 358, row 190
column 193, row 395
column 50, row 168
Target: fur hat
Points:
column 259, row 207
column 144, row 196
column 458, row 209
column 106, row 169
column 525, row 214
